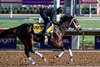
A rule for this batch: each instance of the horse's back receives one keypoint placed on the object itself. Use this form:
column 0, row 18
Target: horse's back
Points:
column 24, row 28
column 36, row 28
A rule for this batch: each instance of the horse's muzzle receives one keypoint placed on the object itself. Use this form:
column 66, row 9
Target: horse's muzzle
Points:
column 80, row 30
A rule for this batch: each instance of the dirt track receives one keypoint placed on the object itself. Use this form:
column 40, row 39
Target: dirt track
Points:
column 17, row 58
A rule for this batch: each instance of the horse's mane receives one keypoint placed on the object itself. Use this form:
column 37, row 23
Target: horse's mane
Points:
column 65, row 18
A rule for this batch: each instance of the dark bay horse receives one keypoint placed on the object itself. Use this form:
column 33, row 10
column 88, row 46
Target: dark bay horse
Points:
column 27, row 36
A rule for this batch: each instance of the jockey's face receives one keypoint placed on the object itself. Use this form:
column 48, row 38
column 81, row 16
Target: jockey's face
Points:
column 58, row 12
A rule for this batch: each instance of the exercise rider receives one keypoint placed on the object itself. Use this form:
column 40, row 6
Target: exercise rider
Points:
column 49, row 16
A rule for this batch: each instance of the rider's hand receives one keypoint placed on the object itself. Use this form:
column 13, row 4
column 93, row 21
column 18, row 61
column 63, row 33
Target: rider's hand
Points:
column 55, row 23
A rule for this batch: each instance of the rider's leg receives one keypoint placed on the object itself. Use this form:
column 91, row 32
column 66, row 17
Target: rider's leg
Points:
column 46, row 20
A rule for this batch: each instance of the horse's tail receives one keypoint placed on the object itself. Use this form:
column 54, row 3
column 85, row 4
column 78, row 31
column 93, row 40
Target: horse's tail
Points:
column 7, row 32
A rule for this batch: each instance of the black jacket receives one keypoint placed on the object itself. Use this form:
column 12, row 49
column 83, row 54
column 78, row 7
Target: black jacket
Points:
column 51, row 13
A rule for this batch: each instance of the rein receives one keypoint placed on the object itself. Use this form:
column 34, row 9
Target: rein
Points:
column 71, row 22
column 60, row 27
column 83, row 40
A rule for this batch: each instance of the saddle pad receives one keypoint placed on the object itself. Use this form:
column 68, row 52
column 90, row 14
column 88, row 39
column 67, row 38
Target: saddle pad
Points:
column 39, row 27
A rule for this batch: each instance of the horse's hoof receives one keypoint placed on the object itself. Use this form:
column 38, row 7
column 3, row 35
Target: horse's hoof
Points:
column 71, row 59
column 32, row 62
column 43, row 58
column 56, row 56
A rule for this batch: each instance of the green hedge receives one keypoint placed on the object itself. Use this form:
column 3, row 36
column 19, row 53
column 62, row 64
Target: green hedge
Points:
column 85, row 10
column 19, row 10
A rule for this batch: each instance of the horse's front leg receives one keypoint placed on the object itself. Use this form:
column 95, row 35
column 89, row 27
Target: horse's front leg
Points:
column 60, row 54
column 70, row 52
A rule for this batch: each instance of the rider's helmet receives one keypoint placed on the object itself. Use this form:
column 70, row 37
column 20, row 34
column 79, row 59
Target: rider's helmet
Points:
column 60, row 10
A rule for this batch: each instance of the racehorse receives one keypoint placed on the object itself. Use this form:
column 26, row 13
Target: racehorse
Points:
column 26, row 34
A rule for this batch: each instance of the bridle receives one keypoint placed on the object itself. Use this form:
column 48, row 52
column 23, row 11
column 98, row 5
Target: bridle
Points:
column 83, row 40
column 72, row 21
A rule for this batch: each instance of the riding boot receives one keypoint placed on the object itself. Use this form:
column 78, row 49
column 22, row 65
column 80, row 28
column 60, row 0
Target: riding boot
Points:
column 45, row 29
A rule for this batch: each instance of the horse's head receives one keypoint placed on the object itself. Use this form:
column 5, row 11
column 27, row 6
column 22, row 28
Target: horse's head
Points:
column 69, row 22
column 64, row 23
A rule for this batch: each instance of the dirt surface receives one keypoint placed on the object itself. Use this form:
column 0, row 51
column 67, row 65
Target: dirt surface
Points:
column 81, row 58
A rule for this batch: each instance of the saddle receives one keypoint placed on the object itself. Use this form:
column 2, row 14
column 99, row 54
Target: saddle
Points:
column 38, row 29
column 55, row 36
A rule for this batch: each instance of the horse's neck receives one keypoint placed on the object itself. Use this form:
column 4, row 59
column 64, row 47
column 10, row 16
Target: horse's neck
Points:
column 63, row 29
column 57, row 29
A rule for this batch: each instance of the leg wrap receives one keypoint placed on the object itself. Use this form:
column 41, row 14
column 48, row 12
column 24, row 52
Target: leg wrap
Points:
column 38, row 54
column 61, row 54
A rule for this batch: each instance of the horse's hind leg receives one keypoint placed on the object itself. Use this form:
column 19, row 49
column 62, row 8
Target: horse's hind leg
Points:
column 39, row 55
column 30, row 44
column 24, row 40
column 28, row 55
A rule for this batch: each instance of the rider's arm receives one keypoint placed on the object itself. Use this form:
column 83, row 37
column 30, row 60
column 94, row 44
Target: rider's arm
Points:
column 53, row 17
